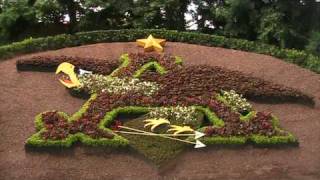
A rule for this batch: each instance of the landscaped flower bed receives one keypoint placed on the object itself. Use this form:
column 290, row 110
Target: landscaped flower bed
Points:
column 158, row 86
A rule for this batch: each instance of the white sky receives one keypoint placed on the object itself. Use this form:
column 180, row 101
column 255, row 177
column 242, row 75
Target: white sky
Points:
column 191, row 23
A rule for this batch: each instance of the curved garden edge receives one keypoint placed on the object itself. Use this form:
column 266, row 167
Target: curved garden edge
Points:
column 300, row 58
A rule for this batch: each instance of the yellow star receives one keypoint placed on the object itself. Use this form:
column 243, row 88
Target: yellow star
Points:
column 151, row 43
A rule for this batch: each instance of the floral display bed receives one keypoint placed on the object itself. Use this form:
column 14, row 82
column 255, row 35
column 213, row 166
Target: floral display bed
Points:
column 27, row 94
column 144, row 86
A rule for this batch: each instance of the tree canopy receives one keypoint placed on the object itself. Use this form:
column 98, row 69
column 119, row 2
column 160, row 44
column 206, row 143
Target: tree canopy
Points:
column 287, row 24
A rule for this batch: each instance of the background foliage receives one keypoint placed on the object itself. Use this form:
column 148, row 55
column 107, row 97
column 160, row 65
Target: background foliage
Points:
column 284, row 23
column 30, row 45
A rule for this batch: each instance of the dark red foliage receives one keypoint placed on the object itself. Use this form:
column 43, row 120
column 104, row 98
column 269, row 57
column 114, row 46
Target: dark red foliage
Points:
column 57, row 127
column 115, row 125
column 50, row 63
column 204, row 80
column 209, row 131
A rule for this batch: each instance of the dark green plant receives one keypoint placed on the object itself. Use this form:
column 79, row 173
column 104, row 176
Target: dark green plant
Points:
column 102, row 14
column 16, row 19
column 49, row 11
column 314, row 44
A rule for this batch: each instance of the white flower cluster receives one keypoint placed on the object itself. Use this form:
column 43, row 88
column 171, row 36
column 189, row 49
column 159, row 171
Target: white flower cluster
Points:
column 96, row 83
column 186, row 115
column 236, row 101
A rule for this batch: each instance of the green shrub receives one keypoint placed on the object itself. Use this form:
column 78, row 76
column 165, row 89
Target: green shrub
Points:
column 234, row 140
column 300, row 58
column 274, row 140
column 314, row 43
column 161, row 70
column 212, row 117
column 178, row 60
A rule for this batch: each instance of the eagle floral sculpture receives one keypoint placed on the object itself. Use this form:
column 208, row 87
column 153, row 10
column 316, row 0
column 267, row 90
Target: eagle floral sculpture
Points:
column 159, row 87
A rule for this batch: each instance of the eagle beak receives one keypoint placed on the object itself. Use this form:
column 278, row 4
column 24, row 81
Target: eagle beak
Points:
column 69, row 78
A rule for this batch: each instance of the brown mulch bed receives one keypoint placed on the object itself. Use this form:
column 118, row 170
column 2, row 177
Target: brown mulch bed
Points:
column 25, row 94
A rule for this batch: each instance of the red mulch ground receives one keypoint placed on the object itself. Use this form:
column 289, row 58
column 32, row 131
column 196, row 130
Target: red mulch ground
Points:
column 25, row 94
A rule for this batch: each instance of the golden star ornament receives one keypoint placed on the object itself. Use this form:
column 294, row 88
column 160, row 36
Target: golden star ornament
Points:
column 151, row 44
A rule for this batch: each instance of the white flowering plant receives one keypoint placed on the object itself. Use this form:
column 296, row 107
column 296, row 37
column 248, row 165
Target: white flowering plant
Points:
column 100, row 83
column 235, row 101
column 186, row 115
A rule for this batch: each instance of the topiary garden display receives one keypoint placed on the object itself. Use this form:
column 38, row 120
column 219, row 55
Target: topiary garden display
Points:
column 153, row 103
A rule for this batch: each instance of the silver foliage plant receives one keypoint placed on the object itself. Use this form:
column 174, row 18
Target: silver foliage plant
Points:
column 97, row 83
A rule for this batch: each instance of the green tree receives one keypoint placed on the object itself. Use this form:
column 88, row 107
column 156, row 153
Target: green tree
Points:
column 167, row 14
column 288, row 24
column 55, row 12
column 148, row 14
column 73, row 10
column 213, row 12
column 314, row 43
column 49, row 11
column 1, row 6
column 174, row 14
column 282, row 23
column 242, row 18
column 272, row 30
column 106, row 14
column 16, row 18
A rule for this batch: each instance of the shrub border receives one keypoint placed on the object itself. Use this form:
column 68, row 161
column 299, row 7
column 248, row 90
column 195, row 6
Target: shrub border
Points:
column 301, row 58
